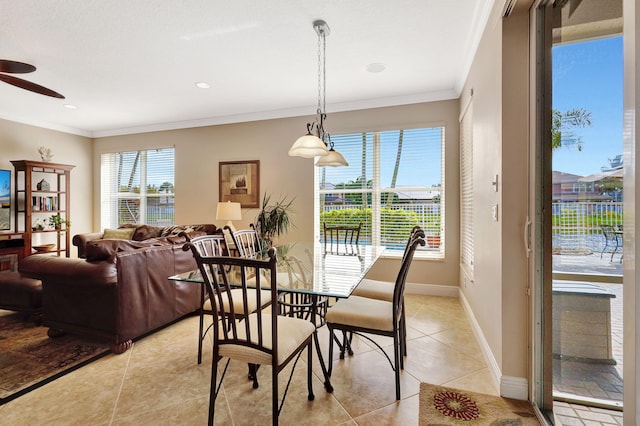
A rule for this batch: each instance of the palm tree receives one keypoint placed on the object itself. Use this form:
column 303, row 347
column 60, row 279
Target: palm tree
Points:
column 562, row 123
column 396, row 168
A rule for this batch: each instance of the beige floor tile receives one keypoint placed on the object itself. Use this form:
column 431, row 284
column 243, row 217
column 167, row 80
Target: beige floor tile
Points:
column 400, row 413
column 365, row 382
column 461, row 340
column 436, row 363
column 478, row 381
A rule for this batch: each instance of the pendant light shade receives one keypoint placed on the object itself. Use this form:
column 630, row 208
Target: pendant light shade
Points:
column 317, row 142
column 333, row 159
column 308, row 146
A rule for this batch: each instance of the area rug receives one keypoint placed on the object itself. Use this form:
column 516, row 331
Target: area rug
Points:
column 30, row 359
column 440, row 405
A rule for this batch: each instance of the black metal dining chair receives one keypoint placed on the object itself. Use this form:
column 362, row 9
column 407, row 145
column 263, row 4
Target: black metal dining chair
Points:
column 383, row 290
column 362, row 316
column 261, row 338
column 214, row 245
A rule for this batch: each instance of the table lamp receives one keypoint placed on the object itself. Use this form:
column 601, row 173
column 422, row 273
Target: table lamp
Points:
column 229, row 211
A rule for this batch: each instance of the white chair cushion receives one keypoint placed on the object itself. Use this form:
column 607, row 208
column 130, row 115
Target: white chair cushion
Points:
column 362, row 312
column 238, row 307
column 374, row 289
column 292, row 332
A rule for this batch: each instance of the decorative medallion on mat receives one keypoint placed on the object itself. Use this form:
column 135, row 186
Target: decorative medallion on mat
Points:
column 457, row 405
column 440, row 405
column 30, row 359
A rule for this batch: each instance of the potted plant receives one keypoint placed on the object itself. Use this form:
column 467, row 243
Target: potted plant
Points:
column 56, row 221
column 433, row 240
column 273, row 220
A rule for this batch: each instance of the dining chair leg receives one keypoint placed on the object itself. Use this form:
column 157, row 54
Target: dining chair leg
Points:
column 274, row 395
column 397, row 356
column 311, row 396
column 330, row 363
column 253, row 374
column 200, row 336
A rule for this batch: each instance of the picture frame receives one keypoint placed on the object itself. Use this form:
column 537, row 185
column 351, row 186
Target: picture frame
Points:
column 240, row 182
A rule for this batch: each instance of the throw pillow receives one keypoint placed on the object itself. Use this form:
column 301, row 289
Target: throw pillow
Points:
column 118, row 234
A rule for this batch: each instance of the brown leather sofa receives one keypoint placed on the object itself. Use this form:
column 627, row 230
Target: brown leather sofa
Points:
column 120, row 290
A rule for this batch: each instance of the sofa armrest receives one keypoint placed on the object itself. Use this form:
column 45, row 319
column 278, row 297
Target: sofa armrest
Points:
column 81, row 240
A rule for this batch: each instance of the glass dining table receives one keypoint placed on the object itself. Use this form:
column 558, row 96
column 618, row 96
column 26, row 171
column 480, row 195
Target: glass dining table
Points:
column 310, row 275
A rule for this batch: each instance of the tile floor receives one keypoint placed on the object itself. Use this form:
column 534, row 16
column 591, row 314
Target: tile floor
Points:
column 158, row 381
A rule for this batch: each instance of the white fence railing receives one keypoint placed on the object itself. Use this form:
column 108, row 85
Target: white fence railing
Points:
column 576, row 226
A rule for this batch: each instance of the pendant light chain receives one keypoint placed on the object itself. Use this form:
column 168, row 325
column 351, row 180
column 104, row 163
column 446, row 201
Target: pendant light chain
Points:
column 319, row 76
column 320, row 144
column 324, row 72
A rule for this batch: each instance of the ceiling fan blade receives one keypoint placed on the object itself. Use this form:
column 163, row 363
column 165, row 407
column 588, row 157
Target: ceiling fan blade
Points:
column 15, row 67
column 27, row 85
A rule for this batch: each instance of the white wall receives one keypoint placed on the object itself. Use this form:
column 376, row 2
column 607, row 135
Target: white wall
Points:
column 21, row 142
column 199, row 150
column 497, row 295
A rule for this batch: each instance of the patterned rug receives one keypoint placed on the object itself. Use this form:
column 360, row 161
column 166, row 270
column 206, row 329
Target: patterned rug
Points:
column 447, row 406
column 30, row 359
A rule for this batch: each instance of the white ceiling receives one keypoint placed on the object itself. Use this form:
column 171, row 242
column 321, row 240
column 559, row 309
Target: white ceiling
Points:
column 131, row 66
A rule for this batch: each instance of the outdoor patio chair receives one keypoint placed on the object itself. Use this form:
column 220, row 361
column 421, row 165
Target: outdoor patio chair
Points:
column 612, row 240
column 341, row 234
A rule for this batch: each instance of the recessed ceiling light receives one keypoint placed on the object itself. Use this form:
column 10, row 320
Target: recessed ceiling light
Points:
column 202, row 85
column 70, row 106
column 375, row 67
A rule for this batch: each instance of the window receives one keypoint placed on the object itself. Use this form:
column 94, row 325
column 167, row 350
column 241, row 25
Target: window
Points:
column 394, row 181
column 466, row 191
column 137, row 187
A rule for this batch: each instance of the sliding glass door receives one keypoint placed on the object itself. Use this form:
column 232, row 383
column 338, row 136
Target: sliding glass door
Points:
column 578, row 199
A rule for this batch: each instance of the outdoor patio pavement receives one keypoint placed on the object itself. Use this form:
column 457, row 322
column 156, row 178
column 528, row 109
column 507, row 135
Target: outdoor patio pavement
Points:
column 588, row 379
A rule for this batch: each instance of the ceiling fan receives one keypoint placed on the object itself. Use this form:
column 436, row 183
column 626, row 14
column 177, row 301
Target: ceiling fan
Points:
column 14, row 67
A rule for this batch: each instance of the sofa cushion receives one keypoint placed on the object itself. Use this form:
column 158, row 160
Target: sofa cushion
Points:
column 107, row 249
column 118, row 234
column 144, row 232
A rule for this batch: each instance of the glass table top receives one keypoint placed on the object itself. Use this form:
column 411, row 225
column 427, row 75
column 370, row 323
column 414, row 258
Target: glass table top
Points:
column 310, row 268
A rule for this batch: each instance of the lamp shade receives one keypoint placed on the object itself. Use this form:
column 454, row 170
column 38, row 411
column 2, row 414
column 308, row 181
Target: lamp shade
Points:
column 229, row 211
column 334, row 159
column 308, row 146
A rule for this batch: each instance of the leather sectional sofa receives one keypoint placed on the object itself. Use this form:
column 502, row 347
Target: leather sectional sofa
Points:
column 119, row 289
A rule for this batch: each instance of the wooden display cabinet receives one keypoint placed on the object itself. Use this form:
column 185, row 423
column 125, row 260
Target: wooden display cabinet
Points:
column 41, row 191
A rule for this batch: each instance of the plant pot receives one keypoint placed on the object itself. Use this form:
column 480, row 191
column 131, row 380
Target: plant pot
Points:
column 433, row 241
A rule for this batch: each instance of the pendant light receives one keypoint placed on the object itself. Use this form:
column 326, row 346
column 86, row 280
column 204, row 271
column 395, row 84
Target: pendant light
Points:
column 317, row 142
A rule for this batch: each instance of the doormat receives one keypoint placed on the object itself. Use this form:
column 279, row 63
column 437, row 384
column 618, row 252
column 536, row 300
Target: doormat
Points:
column 440, row 405
column 30, row 359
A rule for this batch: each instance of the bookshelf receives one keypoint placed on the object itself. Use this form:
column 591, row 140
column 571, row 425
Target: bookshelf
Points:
column 41, row 191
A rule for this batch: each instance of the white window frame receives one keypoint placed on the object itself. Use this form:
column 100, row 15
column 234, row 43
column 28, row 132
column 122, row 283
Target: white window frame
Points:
column 376, row 203
column 109, row 194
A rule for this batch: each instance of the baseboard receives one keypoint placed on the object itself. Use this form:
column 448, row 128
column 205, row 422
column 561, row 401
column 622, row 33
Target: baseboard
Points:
column 514, row 387
column 432, row 290
column 510, row 387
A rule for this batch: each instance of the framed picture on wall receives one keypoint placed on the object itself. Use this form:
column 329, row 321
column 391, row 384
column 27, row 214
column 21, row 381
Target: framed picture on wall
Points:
column 240, row 182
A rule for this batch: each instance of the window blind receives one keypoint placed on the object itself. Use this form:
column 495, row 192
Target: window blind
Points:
column 466, row 190
column 394, row 181
column 137, row 187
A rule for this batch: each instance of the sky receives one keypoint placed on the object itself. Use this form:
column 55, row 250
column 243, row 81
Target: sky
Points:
column 420, row 163
column 589, row 75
